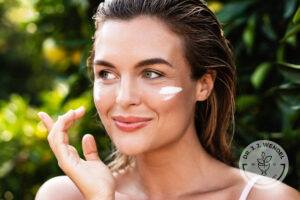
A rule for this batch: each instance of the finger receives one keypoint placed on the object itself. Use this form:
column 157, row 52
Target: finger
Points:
column 46, row 119
column 64, row 122
column 67, row 157
column 77, row 114
column 89, row 147
column 59, row 137
column 58, row 133
column 74, row 116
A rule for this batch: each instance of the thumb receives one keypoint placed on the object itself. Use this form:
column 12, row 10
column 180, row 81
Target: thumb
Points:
column 89, row 147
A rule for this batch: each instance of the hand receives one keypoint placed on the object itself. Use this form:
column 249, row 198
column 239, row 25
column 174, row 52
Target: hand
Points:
column 92, row 176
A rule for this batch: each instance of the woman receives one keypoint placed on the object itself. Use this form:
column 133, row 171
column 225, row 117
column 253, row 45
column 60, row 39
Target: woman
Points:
column 164, row 84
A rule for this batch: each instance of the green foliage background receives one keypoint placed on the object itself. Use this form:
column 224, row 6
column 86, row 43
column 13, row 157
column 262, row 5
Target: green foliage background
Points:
column 44, row 45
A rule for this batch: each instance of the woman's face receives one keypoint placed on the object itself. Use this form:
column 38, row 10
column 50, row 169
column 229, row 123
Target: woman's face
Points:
column 140, row 72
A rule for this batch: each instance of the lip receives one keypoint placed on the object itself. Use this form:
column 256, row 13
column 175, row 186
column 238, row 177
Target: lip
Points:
column 130, row 123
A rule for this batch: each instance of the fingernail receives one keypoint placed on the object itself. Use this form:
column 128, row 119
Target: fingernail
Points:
column 88, row 138
column 41, row 115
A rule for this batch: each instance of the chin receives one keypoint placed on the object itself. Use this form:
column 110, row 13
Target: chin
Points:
column 130, row 151
column 130, row 148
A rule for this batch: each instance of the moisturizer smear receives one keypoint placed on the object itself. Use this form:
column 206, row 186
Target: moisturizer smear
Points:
column 169, row 92
column 97, row 93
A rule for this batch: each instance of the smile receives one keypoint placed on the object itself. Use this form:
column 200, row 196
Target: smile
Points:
column 130, row 127
column 130, row 124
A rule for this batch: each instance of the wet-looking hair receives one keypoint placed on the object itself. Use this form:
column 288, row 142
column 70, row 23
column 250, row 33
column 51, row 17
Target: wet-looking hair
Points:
column 205, row 48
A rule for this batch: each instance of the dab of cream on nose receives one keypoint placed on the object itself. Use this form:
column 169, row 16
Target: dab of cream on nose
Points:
column 169, row 92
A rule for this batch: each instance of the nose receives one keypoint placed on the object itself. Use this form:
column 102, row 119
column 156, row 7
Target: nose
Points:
column 127, row 93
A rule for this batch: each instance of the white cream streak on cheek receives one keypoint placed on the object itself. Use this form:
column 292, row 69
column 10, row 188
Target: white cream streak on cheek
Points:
column 169, row 92
column 97, row 93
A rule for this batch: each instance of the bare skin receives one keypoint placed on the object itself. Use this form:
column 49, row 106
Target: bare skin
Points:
column 170, row 161
column 131, row 185
column 78, row 169
column 170, row 179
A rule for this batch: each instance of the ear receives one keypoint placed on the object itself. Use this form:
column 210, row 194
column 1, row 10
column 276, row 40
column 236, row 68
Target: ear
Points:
column 205, row 85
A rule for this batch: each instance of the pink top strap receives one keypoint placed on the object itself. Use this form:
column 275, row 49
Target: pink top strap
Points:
column 248, row 188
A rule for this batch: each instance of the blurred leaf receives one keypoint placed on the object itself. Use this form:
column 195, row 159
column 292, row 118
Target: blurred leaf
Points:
column 268, row 29
column 291, row 101
column 83, row 100
column 290, row 71
column 249, row 33
column 280, row 53
column 260, row 74
column 56, row 55
column 245, row 102
column 215, row 6
column 289, row 8
column 5, row 168
column 82, row 4
column 233, row 9
column 289, row 105
column 53, row 99
column 287, row 89
column 292, row 40
column 296, row 17
column 294, row 29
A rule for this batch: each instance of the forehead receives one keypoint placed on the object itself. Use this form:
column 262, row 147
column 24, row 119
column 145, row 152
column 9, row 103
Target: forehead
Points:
column 139, row 38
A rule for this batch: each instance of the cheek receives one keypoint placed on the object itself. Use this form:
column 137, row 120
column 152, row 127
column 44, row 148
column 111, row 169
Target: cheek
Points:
column 163, row 99
column 172, row 100
column 169, row 92
column 159, row 94
column 173, row 107
column 103, row 96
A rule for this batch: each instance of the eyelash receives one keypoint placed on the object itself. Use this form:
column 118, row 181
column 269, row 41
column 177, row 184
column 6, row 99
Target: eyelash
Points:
column 152, row 71
column 100, row 74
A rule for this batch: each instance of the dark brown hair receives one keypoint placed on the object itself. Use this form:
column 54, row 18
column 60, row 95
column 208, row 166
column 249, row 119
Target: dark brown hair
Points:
column 205, row 49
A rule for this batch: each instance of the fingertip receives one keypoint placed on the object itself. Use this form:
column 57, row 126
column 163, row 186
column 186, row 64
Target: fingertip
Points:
column 89, row 147
column 44, row 116
column 88, row 141
column 88, row 135
column 84, row 137
column 46, row 119
column 80, row 111
column 87, row 138
column 41, row 115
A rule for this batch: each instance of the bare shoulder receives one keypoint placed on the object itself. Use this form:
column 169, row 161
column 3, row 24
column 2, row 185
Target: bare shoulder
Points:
column 277, row 191
column 59, row 188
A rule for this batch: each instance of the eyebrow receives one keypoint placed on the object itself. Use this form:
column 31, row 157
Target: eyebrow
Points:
column 147, row 62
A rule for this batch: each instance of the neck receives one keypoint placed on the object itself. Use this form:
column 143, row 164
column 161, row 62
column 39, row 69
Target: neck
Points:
column 181, row 166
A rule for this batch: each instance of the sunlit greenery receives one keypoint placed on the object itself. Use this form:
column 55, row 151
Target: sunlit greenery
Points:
column 44, row 45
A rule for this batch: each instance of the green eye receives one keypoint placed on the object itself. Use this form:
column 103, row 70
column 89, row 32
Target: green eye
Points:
column 106, row 75
column 151, row 74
